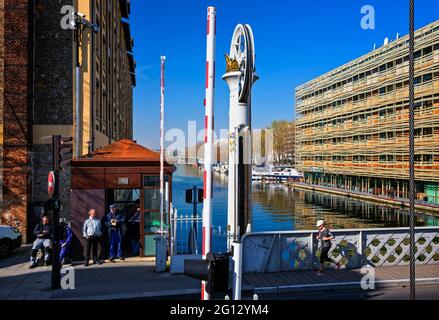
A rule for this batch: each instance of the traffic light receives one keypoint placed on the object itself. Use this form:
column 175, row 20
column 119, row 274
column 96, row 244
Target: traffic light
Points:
column 194, row 195
column 62, row 152
column 214, row 270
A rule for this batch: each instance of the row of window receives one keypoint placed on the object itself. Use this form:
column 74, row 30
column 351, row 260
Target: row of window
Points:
column 381, row 91
column 364, row 115
column 382, row 68
column 421, row 132
column 419, row 158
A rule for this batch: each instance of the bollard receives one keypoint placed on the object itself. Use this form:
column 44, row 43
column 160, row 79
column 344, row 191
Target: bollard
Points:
column 227, row 298
column 161, row 254
column 255, row 297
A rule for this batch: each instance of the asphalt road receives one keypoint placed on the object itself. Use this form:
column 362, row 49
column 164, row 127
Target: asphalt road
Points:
column 422, row 293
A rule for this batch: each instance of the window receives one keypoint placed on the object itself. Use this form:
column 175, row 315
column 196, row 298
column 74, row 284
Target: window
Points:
column 418, row 54
column 427, row 50
column 427, row 158
column 151, row 181
column 417, row 80
column 427, row 77
column 428, row 131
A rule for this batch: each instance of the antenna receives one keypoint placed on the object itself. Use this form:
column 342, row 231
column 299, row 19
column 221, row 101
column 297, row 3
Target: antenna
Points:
column 386, row 41
column 397, row 35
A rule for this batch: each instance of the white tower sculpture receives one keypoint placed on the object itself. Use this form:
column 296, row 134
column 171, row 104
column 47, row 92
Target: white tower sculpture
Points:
column 240, row 77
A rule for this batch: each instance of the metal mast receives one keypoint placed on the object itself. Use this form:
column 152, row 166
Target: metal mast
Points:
column 208, row 138
column 162, row 141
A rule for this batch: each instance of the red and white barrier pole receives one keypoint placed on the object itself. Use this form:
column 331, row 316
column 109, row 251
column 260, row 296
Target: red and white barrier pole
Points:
column 162, row 142
column 208, row 140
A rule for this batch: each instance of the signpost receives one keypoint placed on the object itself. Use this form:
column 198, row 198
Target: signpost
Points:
column 61, row 155
column 194, row 196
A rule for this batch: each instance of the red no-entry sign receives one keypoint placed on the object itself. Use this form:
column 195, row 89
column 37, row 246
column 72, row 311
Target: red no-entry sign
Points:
column 51, row 184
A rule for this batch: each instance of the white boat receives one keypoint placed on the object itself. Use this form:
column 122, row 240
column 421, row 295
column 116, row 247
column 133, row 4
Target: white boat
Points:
column 276, row 174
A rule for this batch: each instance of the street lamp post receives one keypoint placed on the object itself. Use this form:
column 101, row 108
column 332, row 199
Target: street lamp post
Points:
column 81, row 23
column 412, row 149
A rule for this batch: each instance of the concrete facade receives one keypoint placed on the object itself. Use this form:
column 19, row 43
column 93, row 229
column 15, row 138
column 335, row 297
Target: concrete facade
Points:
column 352, row 123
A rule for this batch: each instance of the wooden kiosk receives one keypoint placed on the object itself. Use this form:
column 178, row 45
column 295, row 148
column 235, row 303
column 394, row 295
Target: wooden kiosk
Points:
column 128, row 175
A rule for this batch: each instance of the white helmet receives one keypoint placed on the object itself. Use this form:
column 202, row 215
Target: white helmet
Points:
column 320, row 223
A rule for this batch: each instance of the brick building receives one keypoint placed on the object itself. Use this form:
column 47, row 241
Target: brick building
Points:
column 37, row 94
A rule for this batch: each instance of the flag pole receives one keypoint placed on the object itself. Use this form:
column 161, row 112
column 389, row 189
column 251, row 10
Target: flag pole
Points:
column 162, row 142
column 208, row 139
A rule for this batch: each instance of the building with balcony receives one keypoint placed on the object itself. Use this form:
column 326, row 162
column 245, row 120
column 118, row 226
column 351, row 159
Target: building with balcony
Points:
column 352, row 123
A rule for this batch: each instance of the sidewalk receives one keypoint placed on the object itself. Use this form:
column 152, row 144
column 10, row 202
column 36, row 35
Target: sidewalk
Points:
column 109, row 281
column 136, row 280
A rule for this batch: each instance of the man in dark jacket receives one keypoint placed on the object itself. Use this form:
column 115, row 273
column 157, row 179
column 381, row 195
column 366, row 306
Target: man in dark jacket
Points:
column 44, row 232
column 114, row 222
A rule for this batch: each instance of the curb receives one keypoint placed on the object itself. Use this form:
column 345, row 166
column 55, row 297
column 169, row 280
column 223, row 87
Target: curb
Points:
column 340, row 286
column 138, row 295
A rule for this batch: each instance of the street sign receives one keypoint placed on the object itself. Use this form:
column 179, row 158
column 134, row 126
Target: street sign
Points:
column 51, row 184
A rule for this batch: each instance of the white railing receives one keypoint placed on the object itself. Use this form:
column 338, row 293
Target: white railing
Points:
column 186, row 234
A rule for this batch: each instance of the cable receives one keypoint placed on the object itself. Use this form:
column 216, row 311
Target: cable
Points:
column 412, row 150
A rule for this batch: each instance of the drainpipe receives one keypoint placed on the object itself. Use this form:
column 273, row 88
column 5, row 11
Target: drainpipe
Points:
column 78, row 32
column 93, row 85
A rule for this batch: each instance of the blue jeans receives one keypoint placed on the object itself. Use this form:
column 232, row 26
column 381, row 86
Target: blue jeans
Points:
column 115, row 244
column 135, row 247
column 63, row 250
column 40, row 244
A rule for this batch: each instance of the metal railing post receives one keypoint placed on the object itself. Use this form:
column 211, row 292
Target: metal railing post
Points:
column 171, row 229
column 360, row 248
column 311, row 249
column 175, row 231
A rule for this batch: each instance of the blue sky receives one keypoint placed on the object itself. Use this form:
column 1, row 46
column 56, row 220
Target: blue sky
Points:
column 295, row 42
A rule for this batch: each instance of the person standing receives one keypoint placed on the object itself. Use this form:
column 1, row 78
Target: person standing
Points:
column 114, row 222
column 91, row 231
column 325, row 236
column 44, row 233
column 66, row 237
column 134, row 231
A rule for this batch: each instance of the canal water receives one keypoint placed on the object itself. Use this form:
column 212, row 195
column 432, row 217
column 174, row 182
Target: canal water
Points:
column 279, row 208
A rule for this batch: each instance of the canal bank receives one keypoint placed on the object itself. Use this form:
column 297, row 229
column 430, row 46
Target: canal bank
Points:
column 367, row 197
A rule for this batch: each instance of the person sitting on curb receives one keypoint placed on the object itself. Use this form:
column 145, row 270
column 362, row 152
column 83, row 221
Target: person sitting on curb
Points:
column 44, row 232
column 325, row 236
column 91, row 231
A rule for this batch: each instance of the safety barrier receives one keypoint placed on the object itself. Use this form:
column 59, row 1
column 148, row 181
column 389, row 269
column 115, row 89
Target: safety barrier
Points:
column 352, row 248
